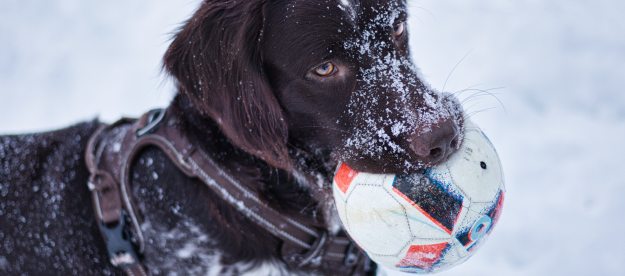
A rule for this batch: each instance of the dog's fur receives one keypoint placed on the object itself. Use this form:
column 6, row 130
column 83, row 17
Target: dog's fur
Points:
column 247, row 95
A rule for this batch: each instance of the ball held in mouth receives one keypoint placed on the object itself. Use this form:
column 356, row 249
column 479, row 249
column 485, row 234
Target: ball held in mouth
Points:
column 425, row 222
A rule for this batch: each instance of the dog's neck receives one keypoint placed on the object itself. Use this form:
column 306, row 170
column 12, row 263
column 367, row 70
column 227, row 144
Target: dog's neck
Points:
column 304, row 190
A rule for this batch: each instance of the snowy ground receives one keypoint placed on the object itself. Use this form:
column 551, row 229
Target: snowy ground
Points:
column 561, row 64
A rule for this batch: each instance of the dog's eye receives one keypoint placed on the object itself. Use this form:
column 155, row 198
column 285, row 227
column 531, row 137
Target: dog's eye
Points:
column 399, row 29
column 325, row 70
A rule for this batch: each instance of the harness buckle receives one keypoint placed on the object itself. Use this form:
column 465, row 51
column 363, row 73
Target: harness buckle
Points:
column 312, row 256
column 121, row 251
column 155, row 117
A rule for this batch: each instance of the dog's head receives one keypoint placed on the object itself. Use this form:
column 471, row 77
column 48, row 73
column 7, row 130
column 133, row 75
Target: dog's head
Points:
column 332, row 75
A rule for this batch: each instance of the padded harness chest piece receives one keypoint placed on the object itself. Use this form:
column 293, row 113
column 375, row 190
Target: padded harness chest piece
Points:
column 113, row 149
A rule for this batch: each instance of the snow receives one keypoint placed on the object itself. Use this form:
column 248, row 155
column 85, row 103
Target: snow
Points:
column 348, row 7
column 560, row 134
column 561, row 65
column 186, row 241
column 3, row 262
column 190, row 244
column 389, row 82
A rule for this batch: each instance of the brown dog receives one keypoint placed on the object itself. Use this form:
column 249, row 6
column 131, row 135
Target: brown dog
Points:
column 273, row 90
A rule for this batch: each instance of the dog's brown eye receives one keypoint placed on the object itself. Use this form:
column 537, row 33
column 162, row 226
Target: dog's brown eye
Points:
column 399, row 29
column 325, row 70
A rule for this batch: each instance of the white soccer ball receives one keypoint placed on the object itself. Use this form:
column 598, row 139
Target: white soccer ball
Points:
column 427, row 222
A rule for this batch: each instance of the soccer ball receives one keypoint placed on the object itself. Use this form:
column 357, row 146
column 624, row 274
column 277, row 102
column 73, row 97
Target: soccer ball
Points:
column 427, row 222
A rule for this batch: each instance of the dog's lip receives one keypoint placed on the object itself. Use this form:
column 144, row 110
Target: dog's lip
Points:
column 385, row 169
column 398, row 167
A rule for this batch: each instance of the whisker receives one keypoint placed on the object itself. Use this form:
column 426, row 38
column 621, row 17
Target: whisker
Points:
column 454, row 70
column 459, row 92
column 469, row 108
column 483, row 91
column 473, row 97
column 479, row 92
column 487, row 92
column 470, row 115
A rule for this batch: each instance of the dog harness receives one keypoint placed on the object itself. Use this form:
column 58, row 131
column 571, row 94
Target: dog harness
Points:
column 110, row 154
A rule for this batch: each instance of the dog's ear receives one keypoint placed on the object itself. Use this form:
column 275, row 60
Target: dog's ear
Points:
column 216, row 61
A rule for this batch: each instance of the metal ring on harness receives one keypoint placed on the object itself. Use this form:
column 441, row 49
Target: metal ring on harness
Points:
column 155, row 117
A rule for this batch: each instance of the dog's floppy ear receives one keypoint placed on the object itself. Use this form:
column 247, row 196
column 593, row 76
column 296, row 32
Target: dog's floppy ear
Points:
column 216, row 61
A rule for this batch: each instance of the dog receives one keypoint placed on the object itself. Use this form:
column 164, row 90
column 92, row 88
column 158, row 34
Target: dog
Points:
column 277, row 91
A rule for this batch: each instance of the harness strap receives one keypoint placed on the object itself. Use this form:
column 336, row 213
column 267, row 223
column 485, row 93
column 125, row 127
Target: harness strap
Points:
column 135, row 270
column 111, row 153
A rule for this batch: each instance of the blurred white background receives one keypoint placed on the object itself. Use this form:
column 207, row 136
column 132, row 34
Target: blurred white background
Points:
column 559, row 66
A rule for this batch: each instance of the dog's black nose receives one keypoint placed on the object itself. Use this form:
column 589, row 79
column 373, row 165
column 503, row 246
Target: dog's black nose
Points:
column 436, row 145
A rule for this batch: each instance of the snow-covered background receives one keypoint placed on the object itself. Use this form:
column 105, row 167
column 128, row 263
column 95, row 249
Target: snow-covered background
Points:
column 559, row 64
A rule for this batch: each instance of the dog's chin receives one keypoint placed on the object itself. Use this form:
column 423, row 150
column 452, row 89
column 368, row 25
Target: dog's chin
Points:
column 392, row 164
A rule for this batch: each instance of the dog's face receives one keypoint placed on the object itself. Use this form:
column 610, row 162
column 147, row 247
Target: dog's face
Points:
column 330, row 74
column 342, row 73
